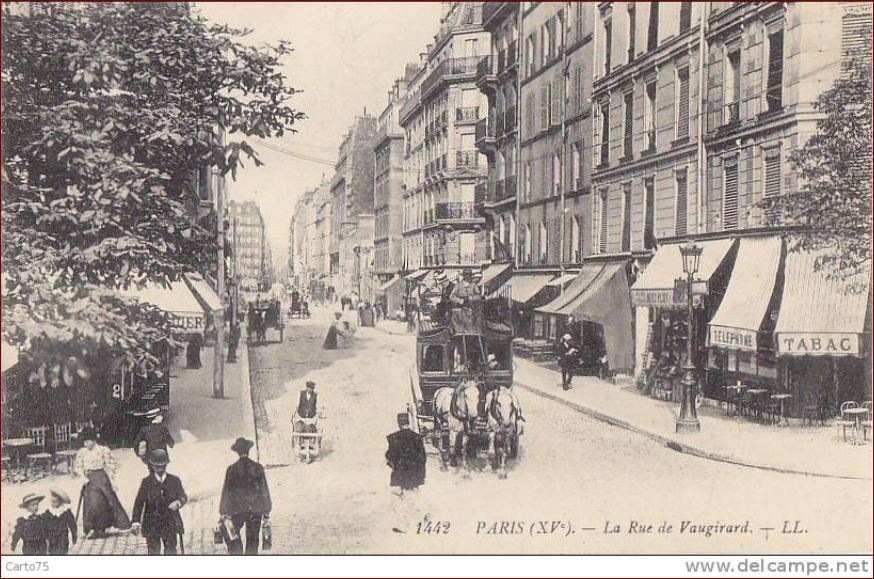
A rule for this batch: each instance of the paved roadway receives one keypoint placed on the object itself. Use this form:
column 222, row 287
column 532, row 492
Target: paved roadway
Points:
column 594, row 487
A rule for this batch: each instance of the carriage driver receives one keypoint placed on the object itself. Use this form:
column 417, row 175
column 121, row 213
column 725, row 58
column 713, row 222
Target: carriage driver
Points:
column 307, row 416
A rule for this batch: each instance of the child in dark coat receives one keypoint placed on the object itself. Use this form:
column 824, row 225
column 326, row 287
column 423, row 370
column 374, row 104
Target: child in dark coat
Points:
column 60, row 524
column 30, row 530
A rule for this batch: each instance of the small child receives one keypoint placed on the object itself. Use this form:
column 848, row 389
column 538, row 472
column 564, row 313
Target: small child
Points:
column 30, row 530
column 60, row 523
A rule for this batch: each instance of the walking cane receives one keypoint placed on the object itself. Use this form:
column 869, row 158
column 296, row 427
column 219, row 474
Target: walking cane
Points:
column 181, row 542
column 79, row 506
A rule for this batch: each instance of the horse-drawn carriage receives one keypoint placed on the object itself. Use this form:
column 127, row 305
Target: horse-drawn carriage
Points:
column 461, row 389
column 261, row 316
column 300, row 307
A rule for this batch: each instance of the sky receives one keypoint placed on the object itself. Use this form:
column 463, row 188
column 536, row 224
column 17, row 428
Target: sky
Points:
column 347, row 55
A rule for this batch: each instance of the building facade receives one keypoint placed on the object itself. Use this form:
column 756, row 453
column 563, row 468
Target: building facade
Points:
column 252, row 254
column 388, row 182
column 351, row 197
column 442, row 167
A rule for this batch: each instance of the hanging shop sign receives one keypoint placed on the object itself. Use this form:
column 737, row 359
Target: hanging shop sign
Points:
column 818, row 344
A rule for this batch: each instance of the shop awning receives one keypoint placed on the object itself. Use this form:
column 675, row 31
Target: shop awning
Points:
column 581, row 281
column 522, row 287
column 493, row 272
column 743, row 309
column 429, row 277
column 416, row 275
column 203, row 290
column 600, row 294
column 562, row 280
column 8, row 355
column 655, row 287
column 177, row 300
column 384, row 287
column 819, row 314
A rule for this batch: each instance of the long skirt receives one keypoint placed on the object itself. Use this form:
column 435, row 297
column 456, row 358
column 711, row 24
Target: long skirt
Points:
column 102, row 509
column 331, row 339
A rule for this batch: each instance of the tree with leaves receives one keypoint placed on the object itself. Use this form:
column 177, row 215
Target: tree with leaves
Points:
column 108, row 110
column 833, row 201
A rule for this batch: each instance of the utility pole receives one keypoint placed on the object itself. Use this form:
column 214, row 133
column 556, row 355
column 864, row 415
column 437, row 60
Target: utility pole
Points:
column 218, row 367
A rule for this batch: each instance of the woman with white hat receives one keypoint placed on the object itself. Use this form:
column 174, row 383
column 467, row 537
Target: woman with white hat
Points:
column 101, row 507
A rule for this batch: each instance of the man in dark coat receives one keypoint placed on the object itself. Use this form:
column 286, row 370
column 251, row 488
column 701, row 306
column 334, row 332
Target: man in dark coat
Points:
column 233, row 342
column 406, row 457
column 245, row 499
column 156, row 508
column 153, row 436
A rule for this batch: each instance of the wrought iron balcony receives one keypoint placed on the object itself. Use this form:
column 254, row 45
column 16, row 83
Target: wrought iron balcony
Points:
column 467, row 114
column 485, row 132
column 485, row 71
column 456, row 210
column 467, row 158
column 461, row 68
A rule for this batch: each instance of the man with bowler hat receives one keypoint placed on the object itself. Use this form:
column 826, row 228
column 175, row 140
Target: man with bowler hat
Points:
column 156, row 508
column 406, row 457
column 245, row 499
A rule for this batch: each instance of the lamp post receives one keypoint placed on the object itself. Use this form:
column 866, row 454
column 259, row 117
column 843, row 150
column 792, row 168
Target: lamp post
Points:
column 688, row 420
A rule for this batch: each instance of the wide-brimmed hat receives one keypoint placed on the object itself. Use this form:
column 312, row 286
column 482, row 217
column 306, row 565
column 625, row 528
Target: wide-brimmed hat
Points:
column 159, row 457
column 29, row 498
column 242, row 445
column 566, row 337
column 88, row 433
column 65, row 498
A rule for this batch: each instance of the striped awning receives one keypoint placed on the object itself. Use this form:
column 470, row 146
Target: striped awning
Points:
column 493, row 272
column 178, row 301
column 418, row 274
column 522, row 287
column 562, row 280
column 389, row 283
column 581, row 281
column 205, row 292
column 739, row 318
column 655, row 286
column 822, row 312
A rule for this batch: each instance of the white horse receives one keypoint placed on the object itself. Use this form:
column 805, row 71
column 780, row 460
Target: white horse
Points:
column 504, row 414
column 455, row 410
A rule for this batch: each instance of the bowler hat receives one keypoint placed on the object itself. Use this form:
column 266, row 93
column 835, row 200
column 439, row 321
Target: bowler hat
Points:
column 61, row 495
column 311, row 383
column 403, row 419
column 29, row 498
column 159, row 457
column 242, row 445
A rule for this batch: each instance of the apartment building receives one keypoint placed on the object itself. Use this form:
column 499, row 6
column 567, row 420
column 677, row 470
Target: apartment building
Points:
column 351, row 197
column 442, row 167
column 254, row 264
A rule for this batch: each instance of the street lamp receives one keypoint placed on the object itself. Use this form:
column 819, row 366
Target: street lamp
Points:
column 688, row 420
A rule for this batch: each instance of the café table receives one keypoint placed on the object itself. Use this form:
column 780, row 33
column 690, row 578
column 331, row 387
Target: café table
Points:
column 782, row 398
column 755, row 394
column 857, row 414
column 738, row 400
column 17, row 446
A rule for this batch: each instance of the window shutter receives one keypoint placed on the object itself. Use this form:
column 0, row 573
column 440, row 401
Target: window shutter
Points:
column 856, row 30
column 729, row 210
column 649, row 217
column 602, row 241
column 685, row 16
column 626, row 218
column 629, row 124
column 772, row 173
column 680, row 223
column 683, row 105
column 775, row 71
column 544, row 107
column 556, row 103
column 578, row 89
column 596, row 135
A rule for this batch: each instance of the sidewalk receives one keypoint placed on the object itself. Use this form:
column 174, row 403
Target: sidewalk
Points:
column 806, row 450
column 204, row 429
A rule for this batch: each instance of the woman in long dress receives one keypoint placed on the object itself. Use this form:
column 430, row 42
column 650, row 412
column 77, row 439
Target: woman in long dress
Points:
column 101, row 507
column 333, row 333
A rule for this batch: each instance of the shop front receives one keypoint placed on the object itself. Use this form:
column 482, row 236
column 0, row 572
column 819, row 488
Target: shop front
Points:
column 660, row 306
column 740, row 334
column 522, row 292
column 391, row 295
column 823, row 332
column 598, row 300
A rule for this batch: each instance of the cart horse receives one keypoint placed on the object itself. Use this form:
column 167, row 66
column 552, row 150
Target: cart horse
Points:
column 462, row 399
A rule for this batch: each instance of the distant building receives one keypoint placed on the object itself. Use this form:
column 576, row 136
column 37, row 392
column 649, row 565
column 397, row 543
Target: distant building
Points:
column 252, row 253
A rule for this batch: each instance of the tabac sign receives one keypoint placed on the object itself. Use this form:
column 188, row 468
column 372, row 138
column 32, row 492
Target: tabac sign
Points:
column 817, row 344
column 734, row 338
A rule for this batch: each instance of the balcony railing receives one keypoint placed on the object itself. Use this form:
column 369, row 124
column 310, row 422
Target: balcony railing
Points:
column 451, row 67
column 467, row 114
column 467, row 158
column 456, row 210
column 485, row 69
column 490, row 8
column 467, row 258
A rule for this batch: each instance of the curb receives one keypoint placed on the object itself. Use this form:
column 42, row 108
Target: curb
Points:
column 247, row 402
column 675, row 445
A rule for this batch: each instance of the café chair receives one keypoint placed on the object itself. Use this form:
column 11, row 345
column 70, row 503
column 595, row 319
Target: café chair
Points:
column 64, row 453
column 42, row 458
column 844, row 422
